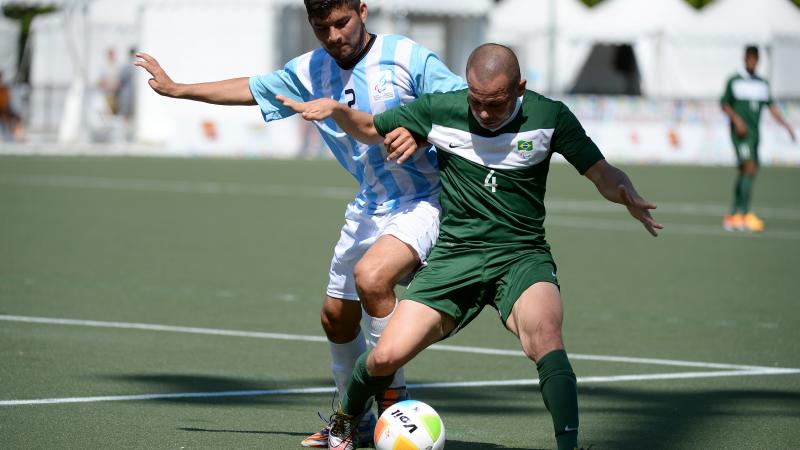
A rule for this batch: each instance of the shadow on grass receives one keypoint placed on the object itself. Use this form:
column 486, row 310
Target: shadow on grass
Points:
column 452, row 444
column 655, row 418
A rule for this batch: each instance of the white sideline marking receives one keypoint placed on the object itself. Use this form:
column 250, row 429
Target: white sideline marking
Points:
column 671, row 228
column 210, row 187
column 328, row 390
column 174, row 186
column 300, row 337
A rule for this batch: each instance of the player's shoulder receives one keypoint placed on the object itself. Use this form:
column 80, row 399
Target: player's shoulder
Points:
column 304, row 60
column 395, row 39
column 447, row 100
column 534, row 101
column 734, row 77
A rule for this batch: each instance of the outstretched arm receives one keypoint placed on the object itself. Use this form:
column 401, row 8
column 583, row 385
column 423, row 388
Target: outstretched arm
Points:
column 615, row 186
column 357, row 124
column 776, row 114
column 400, row 143
column 235, row 91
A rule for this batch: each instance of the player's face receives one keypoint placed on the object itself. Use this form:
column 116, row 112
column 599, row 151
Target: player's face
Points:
column 343, row 33
column 492, row 102
column 750, row 63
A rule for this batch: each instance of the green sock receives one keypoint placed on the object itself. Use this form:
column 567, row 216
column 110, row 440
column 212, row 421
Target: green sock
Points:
column 559, row 392
column 362, row 387
column 746, row 188
column 737, row 195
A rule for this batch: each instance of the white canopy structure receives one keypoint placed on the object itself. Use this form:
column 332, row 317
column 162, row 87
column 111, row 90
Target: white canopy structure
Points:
column 680, row 52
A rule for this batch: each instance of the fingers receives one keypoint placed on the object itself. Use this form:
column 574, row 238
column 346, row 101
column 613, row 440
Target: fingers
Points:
column 643, row 216
column 145, row 57
column 401, row 145
column 402, row 152
column 406, row 154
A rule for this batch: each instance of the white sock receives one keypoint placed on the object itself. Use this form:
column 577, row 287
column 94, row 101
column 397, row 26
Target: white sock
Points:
column 343, row 360
column 375, row 327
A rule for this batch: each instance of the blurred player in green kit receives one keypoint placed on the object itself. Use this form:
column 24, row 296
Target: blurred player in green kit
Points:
column 745, row 95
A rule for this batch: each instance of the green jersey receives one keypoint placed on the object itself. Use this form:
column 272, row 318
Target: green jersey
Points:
column 747, row 94
column 493, row 182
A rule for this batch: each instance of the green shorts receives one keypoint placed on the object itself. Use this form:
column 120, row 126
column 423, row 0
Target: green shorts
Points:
column 746, row 148
column 460, row 282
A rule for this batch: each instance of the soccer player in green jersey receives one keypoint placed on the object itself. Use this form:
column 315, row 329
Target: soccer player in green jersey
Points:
column 494, row 141
column 745, row 95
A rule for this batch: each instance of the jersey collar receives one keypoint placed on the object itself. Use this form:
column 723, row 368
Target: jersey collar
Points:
column 353, row 62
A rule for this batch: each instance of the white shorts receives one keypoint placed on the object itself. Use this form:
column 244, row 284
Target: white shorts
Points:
column 417, row 225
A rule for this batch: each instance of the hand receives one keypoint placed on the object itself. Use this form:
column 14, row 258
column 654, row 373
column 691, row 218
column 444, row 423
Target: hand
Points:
column 640, row 209
column 791, row 133
column 739, row 127
column 400, row 144
column 161, row 82
column 318, row 109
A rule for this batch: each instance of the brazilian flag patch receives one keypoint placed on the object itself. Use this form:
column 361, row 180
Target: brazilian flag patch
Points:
column 524, row 146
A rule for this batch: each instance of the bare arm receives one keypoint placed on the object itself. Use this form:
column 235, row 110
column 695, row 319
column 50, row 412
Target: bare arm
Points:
column 776, row 114
column 357, row 124
column 615, row 186
column 235, row 91
column 738, row 124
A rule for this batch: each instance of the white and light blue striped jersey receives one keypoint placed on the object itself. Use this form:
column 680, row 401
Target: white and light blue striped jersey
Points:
column 394, row 71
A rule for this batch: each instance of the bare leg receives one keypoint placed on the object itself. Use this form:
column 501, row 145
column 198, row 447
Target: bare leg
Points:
column 387, row 261
column 536, row 320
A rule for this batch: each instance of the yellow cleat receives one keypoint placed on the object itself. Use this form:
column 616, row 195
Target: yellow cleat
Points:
column 753, row 223
column 735, row 222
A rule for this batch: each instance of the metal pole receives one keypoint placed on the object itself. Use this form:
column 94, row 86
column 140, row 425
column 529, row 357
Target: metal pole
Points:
column 551, row 51
column 83, row 133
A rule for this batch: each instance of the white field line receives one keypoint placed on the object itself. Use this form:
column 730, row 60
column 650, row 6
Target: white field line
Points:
column 307, row 338
column 457, row 384
column 217, row 188
column 179, row 187
column 554, row 221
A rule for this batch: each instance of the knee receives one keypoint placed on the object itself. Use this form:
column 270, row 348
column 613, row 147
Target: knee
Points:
column 382, row 362
column 750, row 168
column 371, row 284
column 338, row 327
column 541, row 340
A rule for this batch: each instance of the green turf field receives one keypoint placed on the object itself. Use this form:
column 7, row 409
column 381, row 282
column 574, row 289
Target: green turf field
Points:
column 162, row 303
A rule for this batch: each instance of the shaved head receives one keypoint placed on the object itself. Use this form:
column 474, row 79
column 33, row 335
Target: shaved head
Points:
column 494, row 84
column 490, row 61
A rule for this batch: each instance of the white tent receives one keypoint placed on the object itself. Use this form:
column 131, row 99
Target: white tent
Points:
column 716, row 50
column 680, row 52
column 536, row 30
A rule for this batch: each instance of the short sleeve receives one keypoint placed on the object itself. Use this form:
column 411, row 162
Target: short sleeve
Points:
column 281, row 82
column 431, row 74
column 769, row 100
column 415, row 117
column 727, row 96
column 570, row 140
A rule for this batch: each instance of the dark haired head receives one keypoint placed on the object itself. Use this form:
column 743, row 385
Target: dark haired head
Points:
column 320, row 9
column 751, row 50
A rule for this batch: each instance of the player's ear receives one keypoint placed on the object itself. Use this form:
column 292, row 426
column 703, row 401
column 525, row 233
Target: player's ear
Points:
column 521, row 87
column 362, row 11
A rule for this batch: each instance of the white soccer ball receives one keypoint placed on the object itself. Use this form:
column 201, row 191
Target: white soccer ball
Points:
column 409, row 425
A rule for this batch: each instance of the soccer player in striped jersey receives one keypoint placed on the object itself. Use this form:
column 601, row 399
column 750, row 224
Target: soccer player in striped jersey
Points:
column 745, row 95
column 494, row 142
column 392, row 223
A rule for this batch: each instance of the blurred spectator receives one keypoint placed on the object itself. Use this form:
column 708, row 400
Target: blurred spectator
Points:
column 124, row 92
column 110, row 81
column 125, row 87
column 10, row 123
